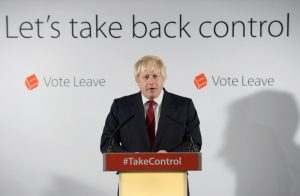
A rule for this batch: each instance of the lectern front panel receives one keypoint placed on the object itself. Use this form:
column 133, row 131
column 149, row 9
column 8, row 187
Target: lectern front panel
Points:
column 153, row 183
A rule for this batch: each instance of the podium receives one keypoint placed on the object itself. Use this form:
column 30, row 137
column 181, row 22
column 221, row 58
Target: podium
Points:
column 152, row 174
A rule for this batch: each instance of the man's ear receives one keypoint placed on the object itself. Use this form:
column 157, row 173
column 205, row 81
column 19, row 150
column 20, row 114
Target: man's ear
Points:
column 136, row 77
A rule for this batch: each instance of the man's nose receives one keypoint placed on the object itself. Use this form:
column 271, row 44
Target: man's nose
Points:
column 151, row 79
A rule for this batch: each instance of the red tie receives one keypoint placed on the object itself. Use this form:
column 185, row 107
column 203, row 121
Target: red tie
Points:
column 150, row 121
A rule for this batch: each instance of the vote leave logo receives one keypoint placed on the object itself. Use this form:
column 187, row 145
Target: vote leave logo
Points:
column 243, row 81
column 200, row 81
column 70, row 81
column 31, row 82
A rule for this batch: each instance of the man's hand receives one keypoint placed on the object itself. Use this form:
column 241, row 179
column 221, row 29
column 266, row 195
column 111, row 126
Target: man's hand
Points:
column 162, row 151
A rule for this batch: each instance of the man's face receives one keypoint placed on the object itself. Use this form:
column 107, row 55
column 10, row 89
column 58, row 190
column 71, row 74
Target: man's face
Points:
column 150, row 83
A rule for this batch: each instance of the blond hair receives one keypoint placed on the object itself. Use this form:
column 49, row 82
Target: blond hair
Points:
column 149, row 62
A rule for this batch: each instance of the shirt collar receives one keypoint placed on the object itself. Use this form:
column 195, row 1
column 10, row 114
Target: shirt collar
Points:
column 157, row 100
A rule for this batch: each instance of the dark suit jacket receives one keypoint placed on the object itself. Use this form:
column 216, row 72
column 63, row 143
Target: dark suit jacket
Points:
column 178, row 127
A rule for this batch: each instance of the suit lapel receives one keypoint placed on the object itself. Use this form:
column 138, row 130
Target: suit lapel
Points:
column 137, row 108
column 166, row 109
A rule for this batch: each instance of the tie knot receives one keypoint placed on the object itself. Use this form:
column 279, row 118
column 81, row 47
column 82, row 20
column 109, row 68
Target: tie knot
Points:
column 151, row 103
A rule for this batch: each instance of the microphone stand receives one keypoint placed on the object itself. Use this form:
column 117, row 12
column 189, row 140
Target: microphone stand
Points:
column 192, row 147
column 112, row 137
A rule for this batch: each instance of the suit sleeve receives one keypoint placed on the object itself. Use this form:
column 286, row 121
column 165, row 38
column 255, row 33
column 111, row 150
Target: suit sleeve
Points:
column 192, row 140
column 111, row 135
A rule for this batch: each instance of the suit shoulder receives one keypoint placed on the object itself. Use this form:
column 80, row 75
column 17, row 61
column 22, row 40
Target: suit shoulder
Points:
column 127, row 98
column 178, row 98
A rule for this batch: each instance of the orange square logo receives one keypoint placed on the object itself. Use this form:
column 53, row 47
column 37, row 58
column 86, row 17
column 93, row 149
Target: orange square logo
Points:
column 200, row 81
column 31, row 82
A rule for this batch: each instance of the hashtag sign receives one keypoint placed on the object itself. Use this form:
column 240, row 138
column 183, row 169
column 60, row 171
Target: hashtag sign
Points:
column 125, row 162
column 152, row 161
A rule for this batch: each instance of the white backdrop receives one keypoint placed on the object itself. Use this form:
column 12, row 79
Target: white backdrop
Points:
column 49, row 143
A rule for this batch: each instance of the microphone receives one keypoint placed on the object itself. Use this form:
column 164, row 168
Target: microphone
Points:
column 193, row 147
column 112, row 137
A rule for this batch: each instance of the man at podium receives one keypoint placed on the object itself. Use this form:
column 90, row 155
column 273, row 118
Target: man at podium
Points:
column 152, row 120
